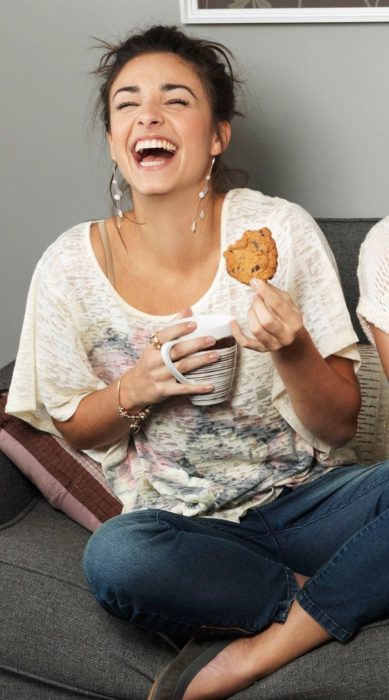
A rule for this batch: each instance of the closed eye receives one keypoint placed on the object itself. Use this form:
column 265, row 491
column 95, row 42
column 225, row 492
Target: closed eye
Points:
column 122, row 105
column 178, row 101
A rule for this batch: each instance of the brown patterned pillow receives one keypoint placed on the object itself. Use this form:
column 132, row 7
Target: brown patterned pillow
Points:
column 70, row 480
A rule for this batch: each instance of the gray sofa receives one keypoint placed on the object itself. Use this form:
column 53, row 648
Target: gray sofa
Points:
column 57, row 643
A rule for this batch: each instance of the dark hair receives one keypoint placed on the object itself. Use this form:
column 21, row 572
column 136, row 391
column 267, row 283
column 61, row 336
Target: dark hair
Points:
column 211, row 61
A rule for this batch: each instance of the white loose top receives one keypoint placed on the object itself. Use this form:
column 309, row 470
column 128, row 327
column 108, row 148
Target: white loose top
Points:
column 79, row 335
column 373, row 276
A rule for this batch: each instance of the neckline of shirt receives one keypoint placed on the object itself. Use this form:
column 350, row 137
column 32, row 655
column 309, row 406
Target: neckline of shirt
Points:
column 196, row 307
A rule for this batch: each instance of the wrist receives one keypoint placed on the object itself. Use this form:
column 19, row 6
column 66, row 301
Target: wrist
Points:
column 296, row 349
column 125, row 394
column 135, row 415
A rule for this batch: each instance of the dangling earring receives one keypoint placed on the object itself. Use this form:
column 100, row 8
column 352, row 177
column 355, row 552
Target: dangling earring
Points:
column 200, row 211
column 116, row 195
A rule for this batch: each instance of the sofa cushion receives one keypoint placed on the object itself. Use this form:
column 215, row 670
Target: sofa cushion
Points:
column 16, row 491
column 51, row 628
column 57, row 643
column 345, row 237
column 71, row 481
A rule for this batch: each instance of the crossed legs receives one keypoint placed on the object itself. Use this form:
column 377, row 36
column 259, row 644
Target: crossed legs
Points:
column 175, row 575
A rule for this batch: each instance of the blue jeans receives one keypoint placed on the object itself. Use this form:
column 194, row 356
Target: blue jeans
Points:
column 173, row 575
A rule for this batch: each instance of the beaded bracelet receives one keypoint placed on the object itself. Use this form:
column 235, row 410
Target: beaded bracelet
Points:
column 134, row 419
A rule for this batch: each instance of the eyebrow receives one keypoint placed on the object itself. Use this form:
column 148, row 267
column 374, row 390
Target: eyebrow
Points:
column 166, row 87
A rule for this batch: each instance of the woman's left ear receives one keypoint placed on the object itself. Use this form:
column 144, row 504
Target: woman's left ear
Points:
column 221, row 138
column 110, row 146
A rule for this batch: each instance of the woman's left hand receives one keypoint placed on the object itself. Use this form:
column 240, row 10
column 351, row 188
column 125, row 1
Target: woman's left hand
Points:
column 274, row 319
column 324, row 392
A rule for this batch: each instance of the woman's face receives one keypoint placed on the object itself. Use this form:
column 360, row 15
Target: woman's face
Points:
column 162, row 134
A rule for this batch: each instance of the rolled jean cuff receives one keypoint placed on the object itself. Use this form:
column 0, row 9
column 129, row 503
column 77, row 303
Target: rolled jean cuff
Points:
column 328, row 624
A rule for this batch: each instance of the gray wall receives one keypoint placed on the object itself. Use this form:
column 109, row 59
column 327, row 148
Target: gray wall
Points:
column 316, row 132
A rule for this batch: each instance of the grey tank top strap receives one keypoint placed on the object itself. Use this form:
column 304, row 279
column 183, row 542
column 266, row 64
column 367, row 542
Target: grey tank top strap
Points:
column 107, row 250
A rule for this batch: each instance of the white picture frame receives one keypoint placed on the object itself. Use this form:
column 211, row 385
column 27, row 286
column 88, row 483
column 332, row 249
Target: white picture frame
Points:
column 191, row 14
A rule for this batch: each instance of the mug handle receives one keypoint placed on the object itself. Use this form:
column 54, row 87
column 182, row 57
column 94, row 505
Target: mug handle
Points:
column 165, row 354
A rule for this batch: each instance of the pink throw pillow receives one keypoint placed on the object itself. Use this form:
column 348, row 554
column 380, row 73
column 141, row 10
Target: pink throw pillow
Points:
column 69, row 480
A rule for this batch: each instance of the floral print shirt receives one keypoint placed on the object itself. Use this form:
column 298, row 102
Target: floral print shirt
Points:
column 79, row 335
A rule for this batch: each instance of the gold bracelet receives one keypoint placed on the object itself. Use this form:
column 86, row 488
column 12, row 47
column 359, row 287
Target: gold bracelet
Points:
column 134, row 419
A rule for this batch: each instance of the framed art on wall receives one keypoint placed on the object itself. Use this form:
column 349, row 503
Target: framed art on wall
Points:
column 273, row 11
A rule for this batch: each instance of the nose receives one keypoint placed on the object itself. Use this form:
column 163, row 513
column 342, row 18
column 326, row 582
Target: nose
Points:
column 145, row 121
column 150, row 116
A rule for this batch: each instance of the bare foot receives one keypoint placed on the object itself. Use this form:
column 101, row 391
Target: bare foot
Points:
column 248, row 659
column 231, row 670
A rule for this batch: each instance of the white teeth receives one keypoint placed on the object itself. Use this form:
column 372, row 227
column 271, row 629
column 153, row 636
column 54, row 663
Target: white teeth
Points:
column 150, row 164
column 155, row 143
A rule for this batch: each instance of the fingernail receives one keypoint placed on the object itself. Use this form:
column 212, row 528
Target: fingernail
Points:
column 191, row 325
column 256, row 283
column 210, row 340
column 213, row 355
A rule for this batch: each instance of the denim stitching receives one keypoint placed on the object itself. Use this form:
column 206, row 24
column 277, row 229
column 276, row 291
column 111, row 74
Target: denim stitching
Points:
column 321, row 617
column 333, row 510
column 346, row 546
column 282, row 606
column 325, row 569
column 191, row 623
column 291, row 585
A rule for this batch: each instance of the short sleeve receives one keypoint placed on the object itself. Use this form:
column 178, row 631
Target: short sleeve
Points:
column 313, row 282
column 52, row 372
column 373, row 278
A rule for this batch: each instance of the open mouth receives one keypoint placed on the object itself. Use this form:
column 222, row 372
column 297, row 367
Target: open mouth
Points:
column 153, row 151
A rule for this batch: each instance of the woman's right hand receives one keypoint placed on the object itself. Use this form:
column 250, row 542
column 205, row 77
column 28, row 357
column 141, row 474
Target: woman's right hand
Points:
column 96, row 423
column 150, row 381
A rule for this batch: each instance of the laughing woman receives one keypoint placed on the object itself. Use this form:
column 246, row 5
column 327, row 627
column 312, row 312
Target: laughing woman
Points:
column 244, row 536
column 373, row 275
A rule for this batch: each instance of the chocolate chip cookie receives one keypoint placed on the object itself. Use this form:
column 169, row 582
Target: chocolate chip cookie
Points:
column 253, row 255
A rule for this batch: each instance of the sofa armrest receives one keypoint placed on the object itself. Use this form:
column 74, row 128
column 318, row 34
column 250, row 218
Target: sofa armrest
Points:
column 16, row 491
